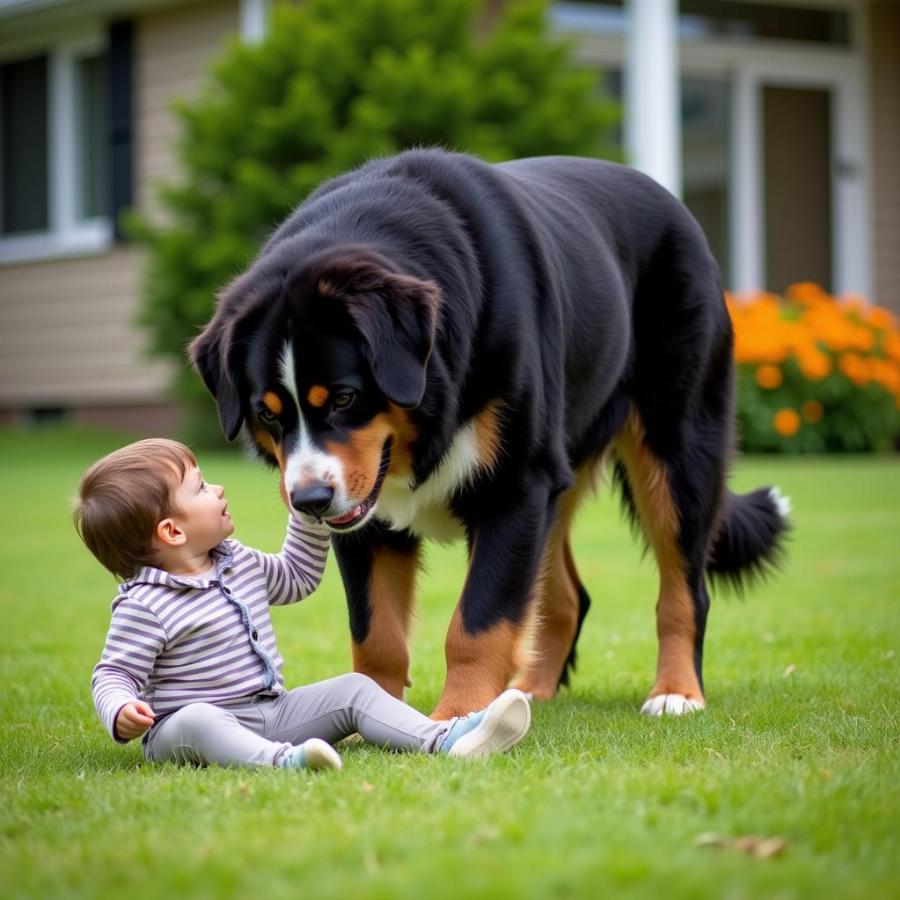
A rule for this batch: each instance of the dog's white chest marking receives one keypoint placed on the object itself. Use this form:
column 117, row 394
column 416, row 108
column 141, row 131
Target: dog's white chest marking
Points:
column 426, row 511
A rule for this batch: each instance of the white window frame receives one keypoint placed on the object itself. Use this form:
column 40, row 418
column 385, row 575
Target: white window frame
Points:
column 749, row 67
column 66, row 234
column 850, row 230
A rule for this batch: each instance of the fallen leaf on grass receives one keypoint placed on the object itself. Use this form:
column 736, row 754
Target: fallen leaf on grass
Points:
column 370, row 861
column 751, row 844
column 789, row 670
column 483, row 835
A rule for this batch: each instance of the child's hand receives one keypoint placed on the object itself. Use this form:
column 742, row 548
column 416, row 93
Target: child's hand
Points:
column 133, row 720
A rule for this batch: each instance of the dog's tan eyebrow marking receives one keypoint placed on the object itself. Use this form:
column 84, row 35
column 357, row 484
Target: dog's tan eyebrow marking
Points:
column 272, row 402
column 317, row 396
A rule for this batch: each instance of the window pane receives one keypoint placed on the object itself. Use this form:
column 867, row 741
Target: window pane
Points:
column 705, row 115
column 92, row 142
column 797, row 165
column 23, row 146
column 733, row 20
column 705, row 130
column 730, row 20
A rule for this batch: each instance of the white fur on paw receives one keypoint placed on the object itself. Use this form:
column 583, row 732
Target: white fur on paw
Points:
column 670, row 705
column 782, row 503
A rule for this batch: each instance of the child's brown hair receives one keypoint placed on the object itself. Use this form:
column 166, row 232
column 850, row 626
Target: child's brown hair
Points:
column 124, row 496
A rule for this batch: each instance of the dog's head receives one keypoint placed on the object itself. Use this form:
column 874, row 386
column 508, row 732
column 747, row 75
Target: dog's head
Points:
column 322, row 362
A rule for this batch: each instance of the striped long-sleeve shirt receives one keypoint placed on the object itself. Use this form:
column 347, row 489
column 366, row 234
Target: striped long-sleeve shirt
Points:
column 175, row 639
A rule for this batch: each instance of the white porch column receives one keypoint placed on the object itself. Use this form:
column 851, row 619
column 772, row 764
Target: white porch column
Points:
column 254, row 20
column 652, row 92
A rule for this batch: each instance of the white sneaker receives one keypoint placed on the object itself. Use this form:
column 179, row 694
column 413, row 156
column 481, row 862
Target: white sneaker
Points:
column 494, row 729
column 312, row 754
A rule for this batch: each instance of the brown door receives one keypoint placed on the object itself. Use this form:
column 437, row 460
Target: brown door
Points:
column 797, row 160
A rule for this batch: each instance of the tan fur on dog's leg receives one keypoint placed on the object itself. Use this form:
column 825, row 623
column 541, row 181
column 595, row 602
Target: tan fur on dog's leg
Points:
column 676, row 675
column 558, row 602
column 479, row 667
column 384, row 655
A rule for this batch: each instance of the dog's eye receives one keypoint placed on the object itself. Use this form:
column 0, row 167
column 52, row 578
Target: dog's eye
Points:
column 343, row 399
column 266, row 416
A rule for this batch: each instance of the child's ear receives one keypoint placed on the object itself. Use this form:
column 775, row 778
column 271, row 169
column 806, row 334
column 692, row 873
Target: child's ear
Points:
column 170, row 534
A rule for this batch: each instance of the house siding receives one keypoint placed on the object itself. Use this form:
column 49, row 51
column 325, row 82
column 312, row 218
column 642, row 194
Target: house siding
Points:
column 884, row 22
column 68, row 333
column 174, row 49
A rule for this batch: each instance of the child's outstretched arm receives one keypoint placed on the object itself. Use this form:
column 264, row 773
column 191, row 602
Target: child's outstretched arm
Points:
column 296, row 571
column 134, row 640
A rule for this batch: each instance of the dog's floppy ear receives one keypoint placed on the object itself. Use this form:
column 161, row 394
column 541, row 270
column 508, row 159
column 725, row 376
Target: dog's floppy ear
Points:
column 220, row 351
column 397, row 317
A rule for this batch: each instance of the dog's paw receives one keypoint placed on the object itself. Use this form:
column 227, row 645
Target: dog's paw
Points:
column 671, row 705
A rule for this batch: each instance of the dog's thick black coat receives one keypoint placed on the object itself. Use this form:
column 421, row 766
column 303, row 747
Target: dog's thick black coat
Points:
column 571, row 296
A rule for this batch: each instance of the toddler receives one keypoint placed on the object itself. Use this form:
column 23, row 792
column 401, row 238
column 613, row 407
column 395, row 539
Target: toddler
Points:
column 190, row 663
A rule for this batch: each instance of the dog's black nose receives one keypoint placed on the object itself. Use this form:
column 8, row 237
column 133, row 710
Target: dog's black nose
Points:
column 313, row 498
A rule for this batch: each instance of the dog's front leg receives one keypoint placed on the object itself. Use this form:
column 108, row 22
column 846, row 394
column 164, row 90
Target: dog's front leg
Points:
column 379, row 571
column 489, row 632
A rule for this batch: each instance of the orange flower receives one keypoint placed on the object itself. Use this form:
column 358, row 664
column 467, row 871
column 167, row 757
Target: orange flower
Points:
column 878, row 317
column 769, row 376
column 892, row 346
column 863, row 339
column 805, row 292
column 812, row 411
column 786, row 422
column 855, row 368
column 814, row 364
column 886, row 374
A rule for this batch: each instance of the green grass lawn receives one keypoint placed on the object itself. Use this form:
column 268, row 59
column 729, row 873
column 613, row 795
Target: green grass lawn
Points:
column 800, row 740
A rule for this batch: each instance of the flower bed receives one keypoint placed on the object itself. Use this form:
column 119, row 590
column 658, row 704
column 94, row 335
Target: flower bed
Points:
column 815, row 373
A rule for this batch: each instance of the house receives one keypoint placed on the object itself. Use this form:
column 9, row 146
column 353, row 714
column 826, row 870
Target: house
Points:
column 778, row 123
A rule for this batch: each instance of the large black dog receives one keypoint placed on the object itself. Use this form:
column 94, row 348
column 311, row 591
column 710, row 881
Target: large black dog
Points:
column 434, row 346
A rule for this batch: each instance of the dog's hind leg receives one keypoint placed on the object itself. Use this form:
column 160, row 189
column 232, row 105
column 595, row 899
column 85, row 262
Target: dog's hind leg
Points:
column 562, row 601
column 676, row 501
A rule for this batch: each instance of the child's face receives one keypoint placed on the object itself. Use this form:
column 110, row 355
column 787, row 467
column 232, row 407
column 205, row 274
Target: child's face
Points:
column 203, row 511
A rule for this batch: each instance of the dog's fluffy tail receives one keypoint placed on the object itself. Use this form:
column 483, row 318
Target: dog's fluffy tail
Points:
column 750, row 541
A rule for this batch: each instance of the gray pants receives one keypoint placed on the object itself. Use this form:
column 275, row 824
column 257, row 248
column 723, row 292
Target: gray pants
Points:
column 258, row 730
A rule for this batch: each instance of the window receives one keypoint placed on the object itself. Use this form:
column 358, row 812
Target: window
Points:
column 734, row 20
column 23, row 152
column 92, row 146
column 705, row 154
column 706, row 157
column 54, row 152
column 726, row 20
